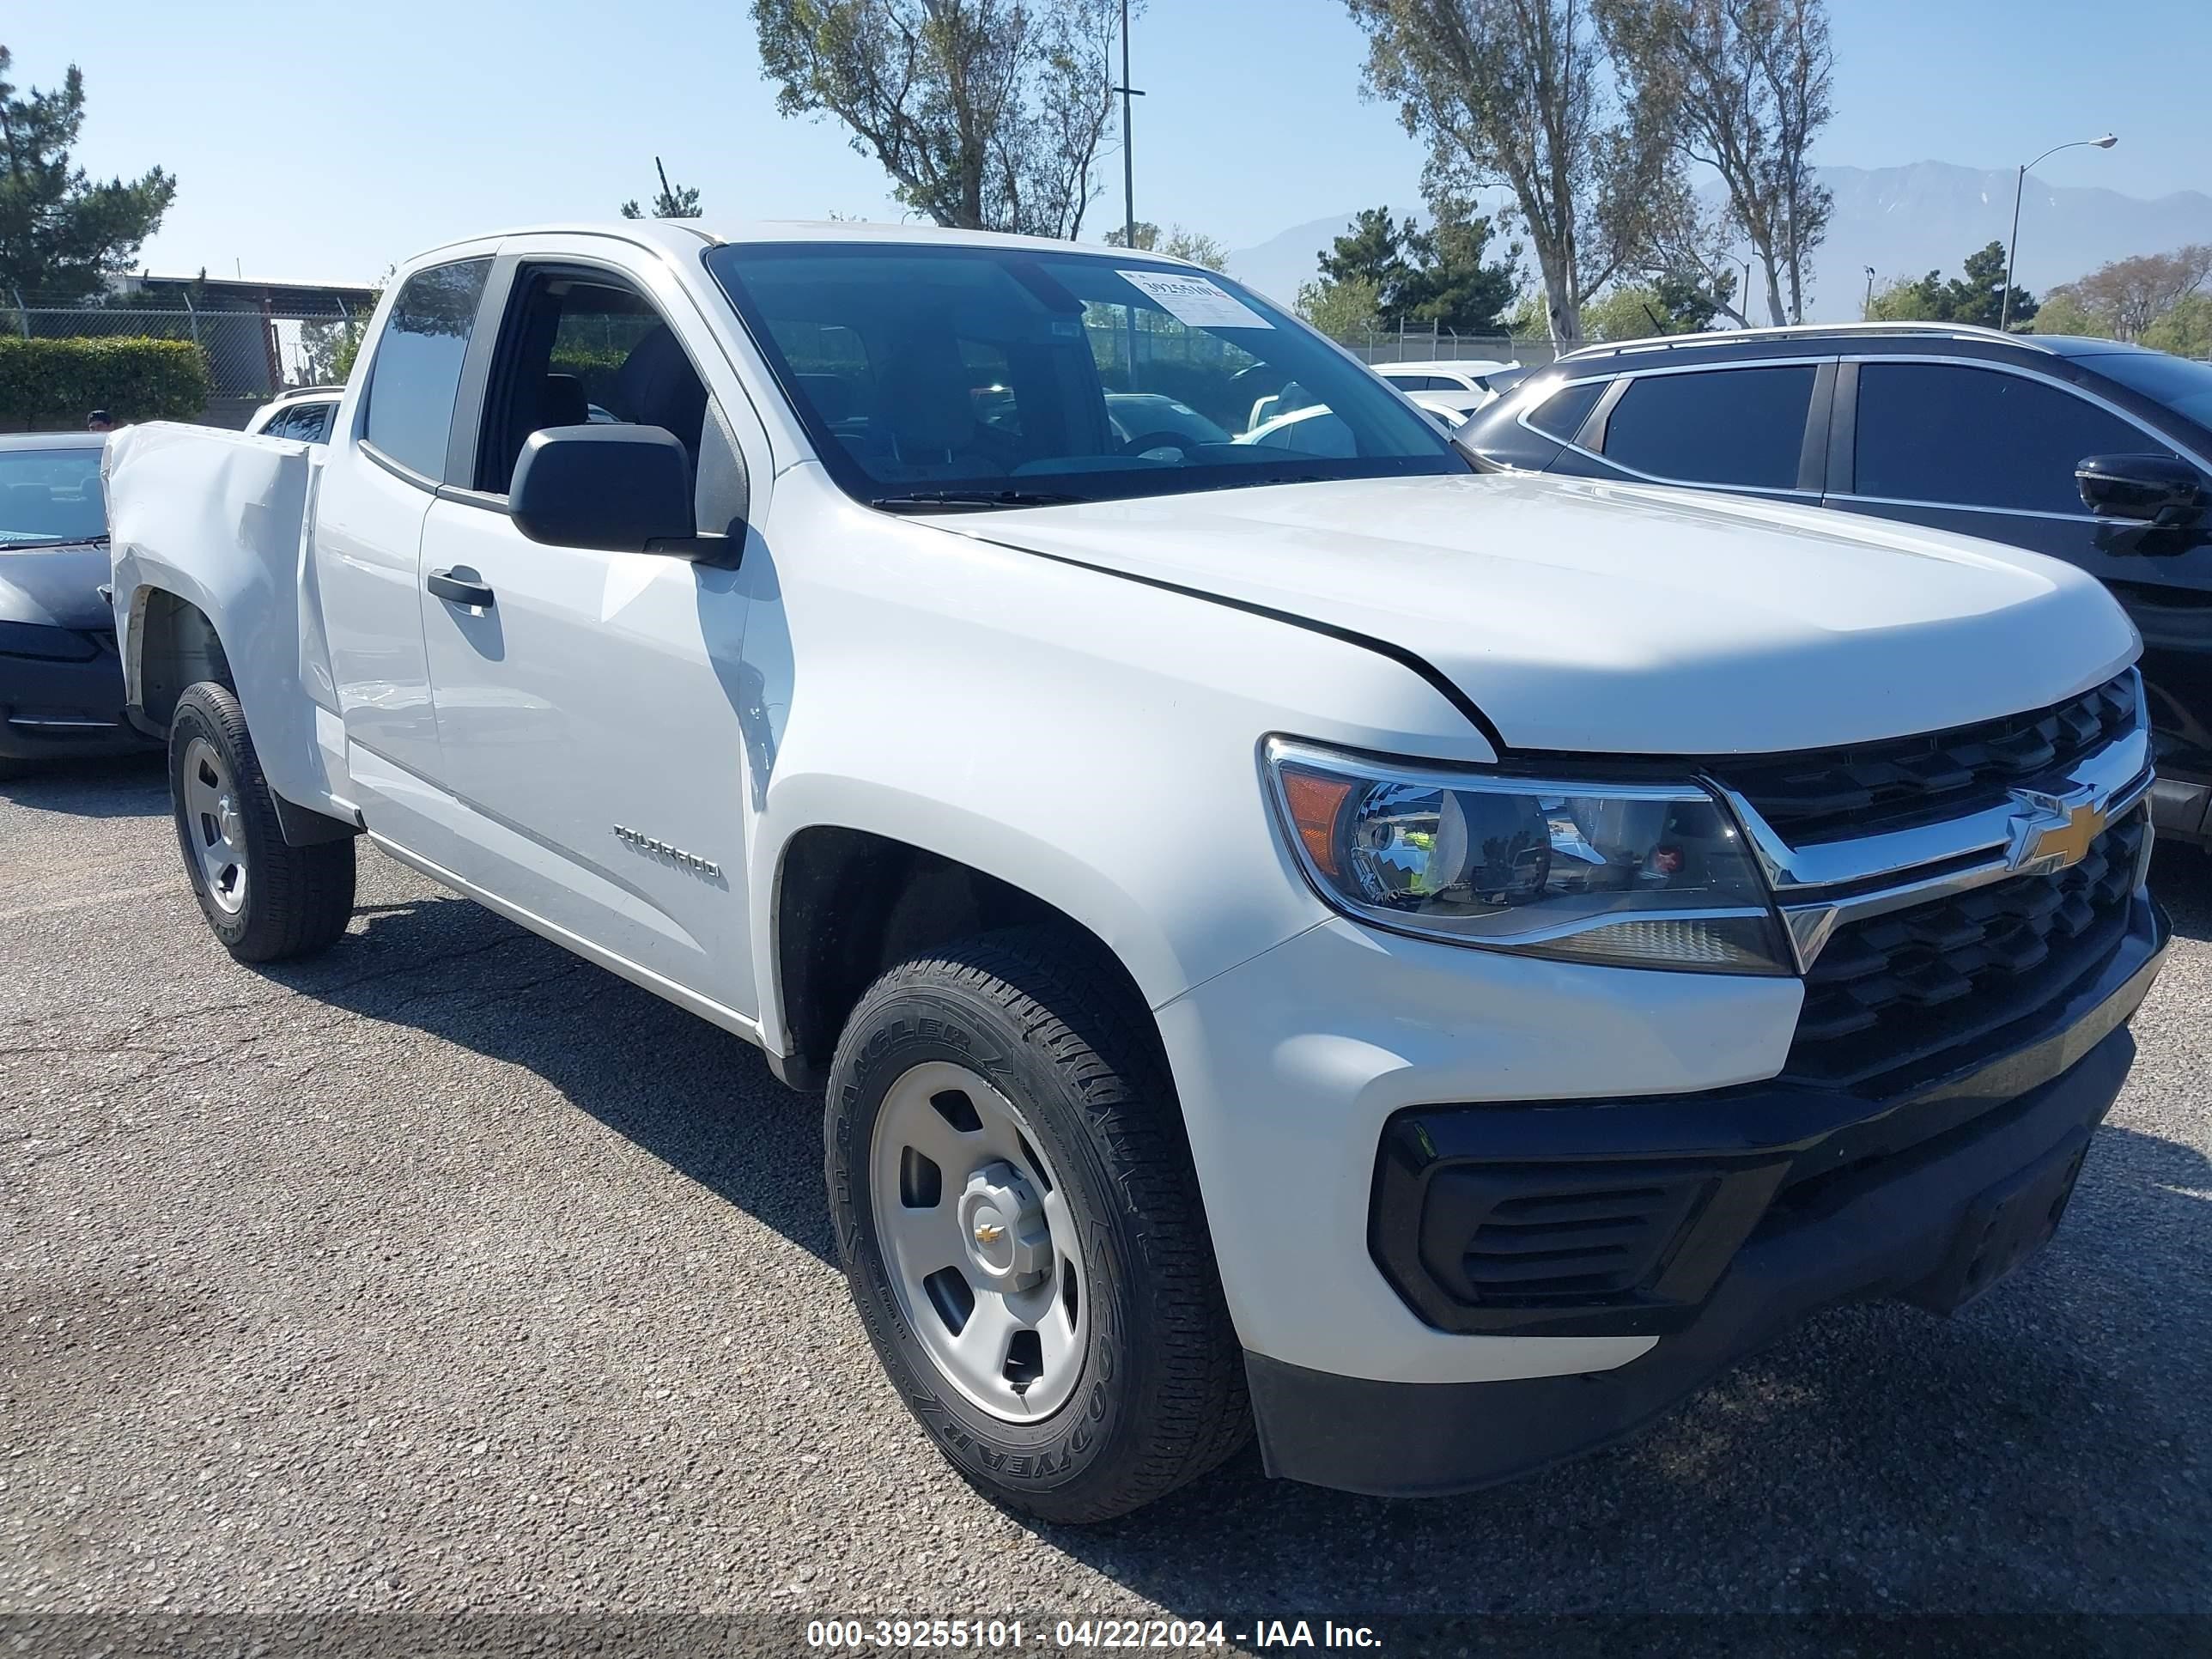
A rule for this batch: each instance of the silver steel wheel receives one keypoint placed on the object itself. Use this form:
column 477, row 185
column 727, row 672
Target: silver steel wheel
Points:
column 979, row 1242
column 214, row 828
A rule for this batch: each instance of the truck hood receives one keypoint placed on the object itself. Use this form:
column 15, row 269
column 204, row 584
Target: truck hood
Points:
column 1607, row 618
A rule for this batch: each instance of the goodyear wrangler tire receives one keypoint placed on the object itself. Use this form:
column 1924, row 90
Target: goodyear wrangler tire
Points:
column 265, row 899
column 1022, row 1231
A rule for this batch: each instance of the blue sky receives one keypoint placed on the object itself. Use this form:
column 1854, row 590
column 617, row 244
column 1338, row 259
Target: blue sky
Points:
column 326, row 142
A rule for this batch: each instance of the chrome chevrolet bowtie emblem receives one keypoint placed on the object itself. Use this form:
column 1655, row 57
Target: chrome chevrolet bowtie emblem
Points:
column 2054, row 832
column 987, row 1234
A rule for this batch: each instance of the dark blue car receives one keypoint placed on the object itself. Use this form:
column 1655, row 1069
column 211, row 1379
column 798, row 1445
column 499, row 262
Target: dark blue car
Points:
column 60, row 682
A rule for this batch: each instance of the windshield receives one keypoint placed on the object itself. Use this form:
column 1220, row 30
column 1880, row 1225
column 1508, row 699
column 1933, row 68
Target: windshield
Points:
column 51, row 496
column 932, row 377
column 2183, row 386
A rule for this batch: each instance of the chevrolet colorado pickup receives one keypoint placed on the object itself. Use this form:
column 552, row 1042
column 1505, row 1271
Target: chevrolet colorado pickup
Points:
column 1291, row 934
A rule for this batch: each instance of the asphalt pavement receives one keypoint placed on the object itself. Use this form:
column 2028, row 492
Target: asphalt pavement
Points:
column 447, row 1275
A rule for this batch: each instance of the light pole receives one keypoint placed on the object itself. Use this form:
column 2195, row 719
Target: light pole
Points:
column 2020, row 184
column 1128, row 180
column 1866, row 309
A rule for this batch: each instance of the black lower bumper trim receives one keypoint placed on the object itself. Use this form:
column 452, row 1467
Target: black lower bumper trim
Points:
column 1618, row 1217
column 1987, row 1195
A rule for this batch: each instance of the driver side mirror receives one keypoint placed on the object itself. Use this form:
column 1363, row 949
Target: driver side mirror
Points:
column 2155, row 488
column 616, row 488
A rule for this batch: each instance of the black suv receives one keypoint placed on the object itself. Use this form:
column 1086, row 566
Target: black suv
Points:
column 2091, row 452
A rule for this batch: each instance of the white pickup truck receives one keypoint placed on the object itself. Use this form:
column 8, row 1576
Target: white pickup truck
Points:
column 1292, row 934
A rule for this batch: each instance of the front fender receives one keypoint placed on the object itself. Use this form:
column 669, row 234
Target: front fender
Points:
column 217, row 520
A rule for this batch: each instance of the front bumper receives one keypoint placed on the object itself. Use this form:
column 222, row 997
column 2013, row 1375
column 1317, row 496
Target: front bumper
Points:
column 1772, row 1200
column 66, row 705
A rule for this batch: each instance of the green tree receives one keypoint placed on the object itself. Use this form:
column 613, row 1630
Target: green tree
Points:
column 1975, row 297
column 2185, row 330
column 1908, row 299
column 1519, row 93
column 1438, row 275
column 62, row 234
column 1978, row 296
column 1344, row 309
column 2063, row 312
column 674, row 202
column 1372, row 250
column 2128, row 299
column 1742, row 86
column 987, row 114
column 1194, row 245
column 1451, row 284
column 1638, row 311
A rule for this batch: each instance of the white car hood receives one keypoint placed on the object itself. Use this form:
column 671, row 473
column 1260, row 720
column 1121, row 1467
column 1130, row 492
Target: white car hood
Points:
column 1608, row 618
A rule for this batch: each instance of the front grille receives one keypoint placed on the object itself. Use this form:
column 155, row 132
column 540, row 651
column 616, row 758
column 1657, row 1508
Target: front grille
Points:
column 1889, row 994
column 1865, row 789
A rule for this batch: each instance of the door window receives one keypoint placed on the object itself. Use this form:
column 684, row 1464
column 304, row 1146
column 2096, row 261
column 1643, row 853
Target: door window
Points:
column 1944, row 433
column 585, row 349
column 417, row 373
column 1744, row 427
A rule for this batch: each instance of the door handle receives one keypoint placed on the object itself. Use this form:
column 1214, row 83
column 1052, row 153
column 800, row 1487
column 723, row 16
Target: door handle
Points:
column 459, row 587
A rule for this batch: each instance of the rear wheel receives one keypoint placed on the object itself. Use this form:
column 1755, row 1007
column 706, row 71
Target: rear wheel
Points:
column 1022, row 1230
column 265, row 899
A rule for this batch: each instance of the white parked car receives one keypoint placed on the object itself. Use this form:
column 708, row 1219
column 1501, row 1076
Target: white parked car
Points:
column 303, row 412
column 1431, row 966
column 1452, row 408
column 1470, row 375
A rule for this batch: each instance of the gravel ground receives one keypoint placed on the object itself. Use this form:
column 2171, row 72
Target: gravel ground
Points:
column 447, row 1274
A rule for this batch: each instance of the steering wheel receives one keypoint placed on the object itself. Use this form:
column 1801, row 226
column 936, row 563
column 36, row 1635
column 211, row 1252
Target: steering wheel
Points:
column 1177, row 441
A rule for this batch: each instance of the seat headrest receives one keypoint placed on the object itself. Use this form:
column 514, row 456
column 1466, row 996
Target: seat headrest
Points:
column 656, row 386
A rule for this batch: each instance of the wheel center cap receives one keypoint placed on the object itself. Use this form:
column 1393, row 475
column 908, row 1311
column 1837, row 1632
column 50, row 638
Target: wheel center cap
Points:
column 227, row 819
column 1004, row 1227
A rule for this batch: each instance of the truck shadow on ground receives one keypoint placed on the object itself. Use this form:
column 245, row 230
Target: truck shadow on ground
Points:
column 695, row 1096
column 2044, row 1448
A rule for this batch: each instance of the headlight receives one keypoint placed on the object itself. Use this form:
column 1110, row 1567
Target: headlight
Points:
column 1632, row 874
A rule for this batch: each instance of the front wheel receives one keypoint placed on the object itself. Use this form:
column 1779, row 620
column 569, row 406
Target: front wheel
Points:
column 1022, row 1231
column 265, row 899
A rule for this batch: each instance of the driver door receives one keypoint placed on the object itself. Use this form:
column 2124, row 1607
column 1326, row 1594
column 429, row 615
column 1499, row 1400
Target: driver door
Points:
column 590, row 704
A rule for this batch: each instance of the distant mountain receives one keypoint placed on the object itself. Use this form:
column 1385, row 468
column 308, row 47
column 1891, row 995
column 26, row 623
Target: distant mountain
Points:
column 1901, row 220
column 1904, row 221
column 1277, row 266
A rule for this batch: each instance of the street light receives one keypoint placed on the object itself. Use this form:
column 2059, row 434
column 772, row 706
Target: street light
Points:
column 1866, row 307
column 2019, row 184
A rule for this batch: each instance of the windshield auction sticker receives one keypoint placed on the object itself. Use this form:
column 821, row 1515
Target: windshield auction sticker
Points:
column 1192, row 299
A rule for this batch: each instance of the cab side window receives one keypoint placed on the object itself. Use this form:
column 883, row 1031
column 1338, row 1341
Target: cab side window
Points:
column 1945, row 433
column 417, row 375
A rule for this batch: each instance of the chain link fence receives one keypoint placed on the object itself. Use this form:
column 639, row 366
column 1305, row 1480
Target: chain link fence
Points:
column 252, row 353
column 1436, row 344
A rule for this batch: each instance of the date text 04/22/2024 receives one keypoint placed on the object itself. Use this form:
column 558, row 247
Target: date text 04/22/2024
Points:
column 1157, row 1634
